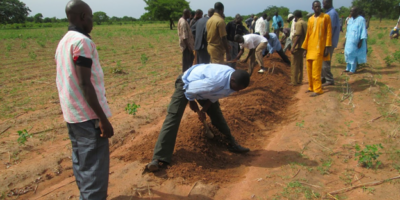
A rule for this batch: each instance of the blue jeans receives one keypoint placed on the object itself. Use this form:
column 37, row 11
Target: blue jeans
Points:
column 90, row 159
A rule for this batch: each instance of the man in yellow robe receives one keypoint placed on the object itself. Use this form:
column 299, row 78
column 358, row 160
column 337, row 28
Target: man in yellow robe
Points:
column 317, row 43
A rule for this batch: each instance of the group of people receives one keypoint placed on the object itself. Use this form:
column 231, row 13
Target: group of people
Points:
column 80, row 78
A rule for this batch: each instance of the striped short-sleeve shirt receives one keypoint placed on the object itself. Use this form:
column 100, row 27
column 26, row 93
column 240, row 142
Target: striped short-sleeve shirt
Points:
column 73, row 103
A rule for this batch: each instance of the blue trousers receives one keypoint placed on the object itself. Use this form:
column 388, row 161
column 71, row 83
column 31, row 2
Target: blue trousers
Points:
column 90, row 159
column 352, row 67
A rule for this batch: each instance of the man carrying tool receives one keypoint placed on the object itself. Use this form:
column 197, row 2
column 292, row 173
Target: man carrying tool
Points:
column 205, row 83
column 256, row 44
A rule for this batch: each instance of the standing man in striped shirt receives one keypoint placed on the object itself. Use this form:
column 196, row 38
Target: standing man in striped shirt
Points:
column 80, row 84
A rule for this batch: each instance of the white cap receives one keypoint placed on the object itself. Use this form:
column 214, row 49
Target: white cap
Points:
column 290, row 15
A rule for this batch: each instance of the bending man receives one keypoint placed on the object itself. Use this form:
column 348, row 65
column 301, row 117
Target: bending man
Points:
column 256, row 44
column 205, row 83
column 275, row 45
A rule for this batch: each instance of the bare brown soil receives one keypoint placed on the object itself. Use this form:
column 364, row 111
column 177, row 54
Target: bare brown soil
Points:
column 301, row 147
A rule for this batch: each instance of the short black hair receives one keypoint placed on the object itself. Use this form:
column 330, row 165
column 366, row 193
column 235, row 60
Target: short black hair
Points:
column 218, row 6
column 238, row 37
column 298, row 13
column 198, row 11
column 241, row 77
column 315, row 2
column 264, row 15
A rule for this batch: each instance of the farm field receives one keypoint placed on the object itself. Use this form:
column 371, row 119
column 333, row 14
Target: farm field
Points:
column 301, row 147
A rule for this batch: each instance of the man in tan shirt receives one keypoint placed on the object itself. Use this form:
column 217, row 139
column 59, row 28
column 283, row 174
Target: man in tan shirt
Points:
column 218, row 44
column 186, row 41
column 299, row 35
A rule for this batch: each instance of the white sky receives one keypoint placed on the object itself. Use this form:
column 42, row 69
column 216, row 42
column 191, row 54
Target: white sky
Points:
column 135, row 8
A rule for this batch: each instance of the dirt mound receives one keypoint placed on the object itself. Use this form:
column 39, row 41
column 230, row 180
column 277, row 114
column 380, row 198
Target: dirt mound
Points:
column 249, row 113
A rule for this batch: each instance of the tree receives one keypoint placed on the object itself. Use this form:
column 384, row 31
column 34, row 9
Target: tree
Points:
column 13, row 11
column 379, row 8
column 343, row 11
column 270, row 11
column 115, row 19
column 38, row 18
column 100, row 17
column 164, row 9
column 126, row 19
column 47, row 20
column 30, row 19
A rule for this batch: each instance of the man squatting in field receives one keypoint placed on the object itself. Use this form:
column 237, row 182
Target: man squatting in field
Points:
column 80, row 84
column 205, row 83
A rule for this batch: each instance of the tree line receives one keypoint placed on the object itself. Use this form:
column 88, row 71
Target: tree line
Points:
column 15, row 11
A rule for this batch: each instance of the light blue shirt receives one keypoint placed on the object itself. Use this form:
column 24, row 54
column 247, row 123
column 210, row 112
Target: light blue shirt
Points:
column 273, row 43
column 356, row 31
column 275, row 21
column 207, row 81
column 335, row 26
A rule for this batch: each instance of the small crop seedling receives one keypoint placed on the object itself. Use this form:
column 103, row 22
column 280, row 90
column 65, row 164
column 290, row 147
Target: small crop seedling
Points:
column 32, row 55
column 132, row 108
column 300, row 124
column 9, row 47
column 369, row 53
column 117, row 70
column 41, row 43
column 348, row 124
column 396, row 55
column 340, row 59
column 371, row 41
column 144, row 59
column 388, row 60
column 367, row 156
column 23, row 45
column 326, row 165
column 23, row 136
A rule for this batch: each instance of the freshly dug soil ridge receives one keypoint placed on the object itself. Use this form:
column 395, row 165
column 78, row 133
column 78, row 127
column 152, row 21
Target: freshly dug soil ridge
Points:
column 251, row 115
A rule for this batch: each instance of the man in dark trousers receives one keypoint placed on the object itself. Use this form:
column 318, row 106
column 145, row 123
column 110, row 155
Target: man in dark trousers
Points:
column 233, row 28
column 200, row 42
column 326, row 75
column 186, row 41
column 204, row 83
column 80, row 84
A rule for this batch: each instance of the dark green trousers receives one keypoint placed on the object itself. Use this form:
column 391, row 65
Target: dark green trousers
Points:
column 166, row 140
